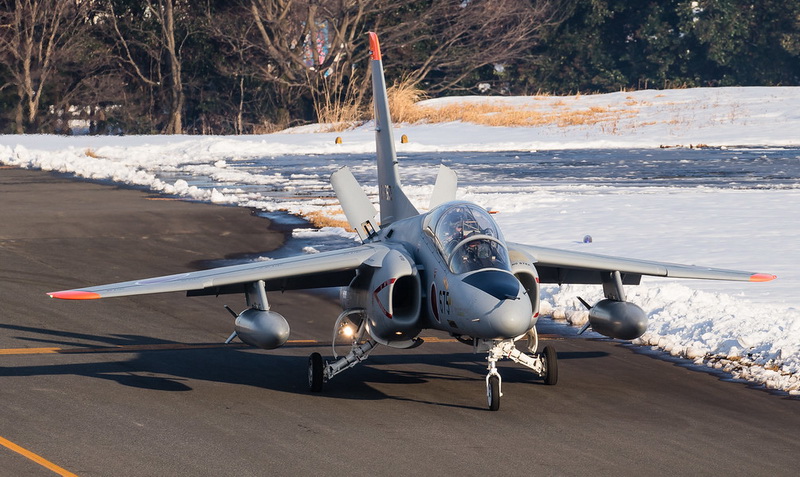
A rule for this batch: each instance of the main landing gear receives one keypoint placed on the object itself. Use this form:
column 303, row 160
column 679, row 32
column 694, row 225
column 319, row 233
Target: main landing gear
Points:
column 319, row 371
column 544, row 364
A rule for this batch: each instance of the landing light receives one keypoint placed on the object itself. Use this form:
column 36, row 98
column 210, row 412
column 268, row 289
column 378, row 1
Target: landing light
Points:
column 347, row 331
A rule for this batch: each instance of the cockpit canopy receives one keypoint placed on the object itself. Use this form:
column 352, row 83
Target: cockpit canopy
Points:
column 467, row 237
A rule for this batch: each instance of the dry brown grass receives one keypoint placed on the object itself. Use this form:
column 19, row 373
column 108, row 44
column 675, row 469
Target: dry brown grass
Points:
column 498, row 114
column 91, row 153
column 338, row 109
column 339, row 117
column 265, row 127
column 404, row 97
column 404, row 100
column 318, row 219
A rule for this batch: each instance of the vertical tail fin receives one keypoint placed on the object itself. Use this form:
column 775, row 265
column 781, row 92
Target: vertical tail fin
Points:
column 393, row 202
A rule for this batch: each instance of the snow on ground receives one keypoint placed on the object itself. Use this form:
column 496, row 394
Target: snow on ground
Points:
column 749, row 330
column 735, row 116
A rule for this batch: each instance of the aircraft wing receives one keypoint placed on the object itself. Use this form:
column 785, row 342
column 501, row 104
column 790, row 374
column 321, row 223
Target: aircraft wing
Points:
column 327, row 269
column 564, row 266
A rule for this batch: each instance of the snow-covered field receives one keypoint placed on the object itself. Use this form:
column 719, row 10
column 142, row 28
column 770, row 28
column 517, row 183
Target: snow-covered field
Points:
column 751, row 330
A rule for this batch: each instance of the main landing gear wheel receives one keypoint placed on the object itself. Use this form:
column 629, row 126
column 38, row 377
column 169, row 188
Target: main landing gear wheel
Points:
column 550, row 365
column 315, row 372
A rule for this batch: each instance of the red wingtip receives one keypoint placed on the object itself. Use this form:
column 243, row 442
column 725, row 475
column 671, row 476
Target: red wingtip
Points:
column 374, row 46
column 74, row 295
column 762, row 277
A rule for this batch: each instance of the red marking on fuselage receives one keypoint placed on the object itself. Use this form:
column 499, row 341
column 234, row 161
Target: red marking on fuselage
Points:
column 377, row 290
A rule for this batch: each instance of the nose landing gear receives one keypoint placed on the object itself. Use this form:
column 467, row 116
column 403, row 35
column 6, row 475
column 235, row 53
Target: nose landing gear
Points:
column 544, row 364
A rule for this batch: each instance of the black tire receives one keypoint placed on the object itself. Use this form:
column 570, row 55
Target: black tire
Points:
column 315, row 372
column 550, row 365
column 493, row 392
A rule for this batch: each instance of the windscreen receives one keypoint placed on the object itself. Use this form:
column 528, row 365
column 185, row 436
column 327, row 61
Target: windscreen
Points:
column 469, row 239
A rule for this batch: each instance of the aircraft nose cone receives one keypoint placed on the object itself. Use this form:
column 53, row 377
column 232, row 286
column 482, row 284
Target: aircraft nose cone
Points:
column 511, row 312
column 512, row 318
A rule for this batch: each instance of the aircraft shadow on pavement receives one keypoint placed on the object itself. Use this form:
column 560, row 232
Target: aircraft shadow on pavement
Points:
column 168, row 366
column 44, row 337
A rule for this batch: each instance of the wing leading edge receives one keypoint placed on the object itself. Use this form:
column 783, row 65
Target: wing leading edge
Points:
column 564, row 266
column 304, row 271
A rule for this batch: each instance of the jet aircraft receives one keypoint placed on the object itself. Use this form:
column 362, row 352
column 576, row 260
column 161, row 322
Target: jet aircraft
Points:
column 448, row 269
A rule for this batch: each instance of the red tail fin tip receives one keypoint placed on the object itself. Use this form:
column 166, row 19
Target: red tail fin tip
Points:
column 374, row 46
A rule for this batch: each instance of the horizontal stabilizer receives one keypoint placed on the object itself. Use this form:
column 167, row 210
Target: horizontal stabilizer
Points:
column 445, row 188
column 356, row 205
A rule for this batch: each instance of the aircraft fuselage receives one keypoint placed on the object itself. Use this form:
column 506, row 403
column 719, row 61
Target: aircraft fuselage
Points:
column 459, row 262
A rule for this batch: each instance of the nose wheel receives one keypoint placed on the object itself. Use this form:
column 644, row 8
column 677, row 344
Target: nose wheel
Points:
column 493, row 391
column 493, row 379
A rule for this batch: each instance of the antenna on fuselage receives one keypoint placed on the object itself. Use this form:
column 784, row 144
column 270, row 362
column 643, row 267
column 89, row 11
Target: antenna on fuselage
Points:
column 394, row 204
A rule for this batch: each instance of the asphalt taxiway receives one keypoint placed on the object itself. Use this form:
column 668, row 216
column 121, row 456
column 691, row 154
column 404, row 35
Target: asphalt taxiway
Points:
column 144, row 385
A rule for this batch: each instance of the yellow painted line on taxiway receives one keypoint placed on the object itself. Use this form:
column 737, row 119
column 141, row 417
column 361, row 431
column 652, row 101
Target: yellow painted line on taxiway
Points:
column 187, row 346
column 436, row 339
column 35, row 458
column 116, row 349
column 29, row 351
column 160, row 346
column 132, row 348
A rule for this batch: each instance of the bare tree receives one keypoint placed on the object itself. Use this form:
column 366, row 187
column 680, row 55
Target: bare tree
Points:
column 465, row 35
column 319, row 47
column 147, row 45
column 35, row 37
column 301, row 48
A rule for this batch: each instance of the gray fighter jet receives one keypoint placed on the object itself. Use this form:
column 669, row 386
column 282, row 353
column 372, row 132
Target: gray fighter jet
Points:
column 448, row 269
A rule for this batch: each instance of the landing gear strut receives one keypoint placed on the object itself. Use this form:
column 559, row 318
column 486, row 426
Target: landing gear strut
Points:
column 320, row 371
column 544, row 364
